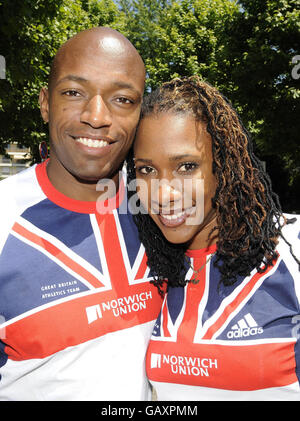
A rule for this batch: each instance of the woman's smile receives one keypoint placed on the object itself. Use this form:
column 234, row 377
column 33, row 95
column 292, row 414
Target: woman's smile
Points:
column 177, row 218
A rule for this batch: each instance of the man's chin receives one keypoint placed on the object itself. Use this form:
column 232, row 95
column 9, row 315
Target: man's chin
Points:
column 83, row 179
column 95, row 177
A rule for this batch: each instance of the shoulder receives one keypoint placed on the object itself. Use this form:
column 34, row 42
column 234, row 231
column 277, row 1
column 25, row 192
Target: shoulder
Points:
column 291, row 230
column 14, row 180
column 17, row 187
column 17, row 193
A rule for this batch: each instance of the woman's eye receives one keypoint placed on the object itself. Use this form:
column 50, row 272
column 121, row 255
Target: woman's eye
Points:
column 187, row 167
column 144, row 170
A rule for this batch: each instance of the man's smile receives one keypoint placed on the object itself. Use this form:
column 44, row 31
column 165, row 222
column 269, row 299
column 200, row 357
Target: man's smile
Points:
column 91, row 143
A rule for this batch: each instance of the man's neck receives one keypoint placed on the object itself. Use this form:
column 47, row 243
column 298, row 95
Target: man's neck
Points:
column 83, row 190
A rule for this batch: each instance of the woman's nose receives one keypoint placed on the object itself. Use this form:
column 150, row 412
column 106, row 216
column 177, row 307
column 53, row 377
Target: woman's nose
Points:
column 168, row 193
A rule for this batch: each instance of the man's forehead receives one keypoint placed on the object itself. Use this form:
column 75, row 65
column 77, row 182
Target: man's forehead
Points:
column 103, row 41
column 111, row 44
column 97, row 66
column 91, row 50
column 96, row 51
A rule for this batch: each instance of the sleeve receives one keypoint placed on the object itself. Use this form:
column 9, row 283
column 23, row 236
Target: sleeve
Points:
column 289, row 248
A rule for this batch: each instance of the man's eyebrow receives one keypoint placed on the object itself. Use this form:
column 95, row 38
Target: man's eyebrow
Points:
column 124, row 85
column 117, row 84
column 73, row 78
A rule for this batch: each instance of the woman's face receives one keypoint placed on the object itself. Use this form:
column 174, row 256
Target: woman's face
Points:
column 173, row 160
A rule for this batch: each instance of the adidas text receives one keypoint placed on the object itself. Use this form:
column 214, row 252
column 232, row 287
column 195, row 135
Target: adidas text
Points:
column 242, row 333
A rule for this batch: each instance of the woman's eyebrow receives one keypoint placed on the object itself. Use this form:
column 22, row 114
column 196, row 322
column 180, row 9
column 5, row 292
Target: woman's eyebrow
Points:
column 183, row 156
column 171, row 158
column 146, row 161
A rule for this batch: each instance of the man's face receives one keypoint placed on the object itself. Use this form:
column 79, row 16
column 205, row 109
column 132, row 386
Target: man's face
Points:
column 93, row 107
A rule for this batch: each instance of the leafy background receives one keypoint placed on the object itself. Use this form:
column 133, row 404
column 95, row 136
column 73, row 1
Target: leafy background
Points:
column 245, row 48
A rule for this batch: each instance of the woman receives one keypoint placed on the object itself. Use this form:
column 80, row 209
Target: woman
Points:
column 214, row 231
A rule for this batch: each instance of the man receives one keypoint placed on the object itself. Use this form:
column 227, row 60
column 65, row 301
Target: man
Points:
column 75, row 299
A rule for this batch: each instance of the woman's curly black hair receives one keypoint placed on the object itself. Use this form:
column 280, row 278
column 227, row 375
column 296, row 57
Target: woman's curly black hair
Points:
column 248, row 212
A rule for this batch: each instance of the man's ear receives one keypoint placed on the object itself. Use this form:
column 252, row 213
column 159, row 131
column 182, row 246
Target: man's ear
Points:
column 44, row 104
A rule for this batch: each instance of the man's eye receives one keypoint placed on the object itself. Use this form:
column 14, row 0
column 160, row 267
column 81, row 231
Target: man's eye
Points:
column 187, row 167
column 124, row 100
column 71, row 92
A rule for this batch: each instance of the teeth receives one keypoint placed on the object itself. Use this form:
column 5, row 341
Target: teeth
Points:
column 92, row 143
column 178, row 215
column 174, row 216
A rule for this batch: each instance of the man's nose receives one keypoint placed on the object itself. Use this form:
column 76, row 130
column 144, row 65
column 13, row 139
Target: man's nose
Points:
column 96, row 113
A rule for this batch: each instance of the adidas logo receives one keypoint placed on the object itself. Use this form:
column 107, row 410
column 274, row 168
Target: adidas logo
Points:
column 247, row 326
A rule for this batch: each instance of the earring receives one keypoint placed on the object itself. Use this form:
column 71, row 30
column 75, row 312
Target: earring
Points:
column 43, row 149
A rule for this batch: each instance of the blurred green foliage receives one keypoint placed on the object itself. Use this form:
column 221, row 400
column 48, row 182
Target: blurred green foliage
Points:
column 245, row 48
